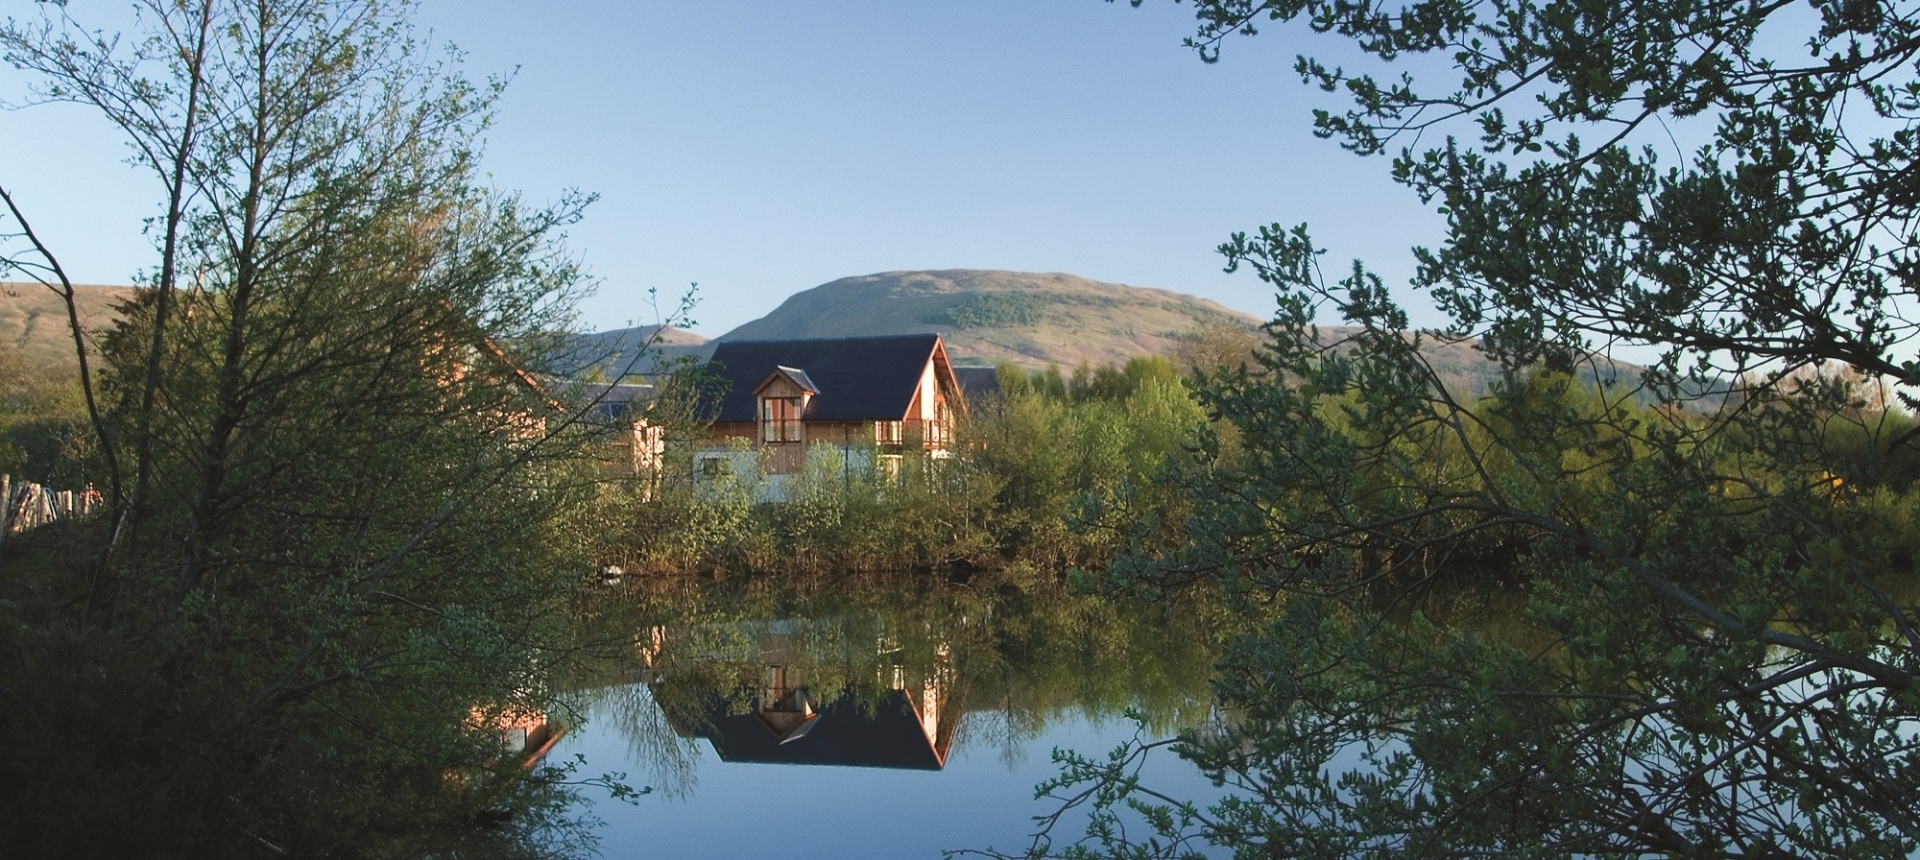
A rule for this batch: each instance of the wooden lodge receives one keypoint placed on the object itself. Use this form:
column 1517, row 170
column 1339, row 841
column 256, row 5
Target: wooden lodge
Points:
column 889, row 394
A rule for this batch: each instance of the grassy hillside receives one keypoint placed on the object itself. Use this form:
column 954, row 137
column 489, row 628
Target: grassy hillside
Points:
column 991, row 316
column 35, row 343
column 33, row 326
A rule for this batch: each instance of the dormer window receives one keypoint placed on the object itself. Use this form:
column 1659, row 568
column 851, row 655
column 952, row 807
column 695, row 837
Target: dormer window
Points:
column 783, row 399
column 779, row 419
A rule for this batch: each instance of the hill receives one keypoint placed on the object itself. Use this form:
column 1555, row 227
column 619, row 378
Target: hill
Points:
column 33, row 329
column 614, row 351
column 33, row 325
column 991, row 316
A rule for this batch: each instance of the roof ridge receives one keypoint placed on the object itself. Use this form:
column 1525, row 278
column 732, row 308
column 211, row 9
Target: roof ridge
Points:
column 934, row 334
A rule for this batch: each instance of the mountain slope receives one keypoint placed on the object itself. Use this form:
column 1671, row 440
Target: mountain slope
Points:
column 989, row 316
column 35, row 342
column 612, row 352
column 33, row 325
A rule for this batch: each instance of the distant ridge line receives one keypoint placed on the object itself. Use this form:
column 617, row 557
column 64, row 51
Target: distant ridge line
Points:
column 988, row 316
column 848, row 337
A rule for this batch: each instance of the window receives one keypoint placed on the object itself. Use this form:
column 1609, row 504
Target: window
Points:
column 712, row 468
column 887, row 432
column 780, row 419
column 937, row 432
column 778, row 685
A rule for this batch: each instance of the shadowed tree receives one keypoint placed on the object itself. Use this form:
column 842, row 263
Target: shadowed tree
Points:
column 344, row 516
column 1554, row 621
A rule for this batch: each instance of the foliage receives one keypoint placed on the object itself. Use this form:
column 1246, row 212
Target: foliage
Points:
column 846, row 515
column 690, row 518
column 1079, row 456
column 1216, row 346
column 1714, row 649
column 340, row 521
column 991, row 310
column 840, row 513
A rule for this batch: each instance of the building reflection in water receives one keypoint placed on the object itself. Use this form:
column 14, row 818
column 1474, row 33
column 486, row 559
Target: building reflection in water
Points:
column 876, row 678
column 901, row 719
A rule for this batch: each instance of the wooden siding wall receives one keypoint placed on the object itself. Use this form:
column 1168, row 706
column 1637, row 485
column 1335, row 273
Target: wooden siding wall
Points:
column 786, row 458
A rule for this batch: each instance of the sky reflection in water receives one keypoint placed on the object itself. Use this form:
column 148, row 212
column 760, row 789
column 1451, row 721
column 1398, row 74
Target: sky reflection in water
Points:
column 982, row 798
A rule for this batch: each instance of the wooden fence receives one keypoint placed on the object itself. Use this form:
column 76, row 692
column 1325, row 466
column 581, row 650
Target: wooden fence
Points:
column 30, row 505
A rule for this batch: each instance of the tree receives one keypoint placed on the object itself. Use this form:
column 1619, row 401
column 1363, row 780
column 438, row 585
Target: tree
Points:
column 1216, row 345
column 343, row 516
column 1640, row 618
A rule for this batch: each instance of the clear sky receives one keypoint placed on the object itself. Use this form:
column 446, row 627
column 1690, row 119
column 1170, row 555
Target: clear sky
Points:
column 761, row 147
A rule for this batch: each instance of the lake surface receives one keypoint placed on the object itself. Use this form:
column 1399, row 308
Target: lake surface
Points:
column 879, row 719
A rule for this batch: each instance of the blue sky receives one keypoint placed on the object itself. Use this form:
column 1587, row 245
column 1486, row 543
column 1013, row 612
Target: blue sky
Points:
column 761, row 147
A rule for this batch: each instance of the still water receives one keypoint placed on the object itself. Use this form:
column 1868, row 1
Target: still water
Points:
column 879, row 719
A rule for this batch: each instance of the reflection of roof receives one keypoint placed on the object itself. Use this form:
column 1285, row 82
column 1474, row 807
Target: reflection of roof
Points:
column 787, row 735
column 843, row 733
column 859, row 378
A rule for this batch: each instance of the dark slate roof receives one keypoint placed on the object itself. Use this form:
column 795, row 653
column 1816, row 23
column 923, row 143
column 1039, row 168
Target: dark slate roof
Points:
column 978, row 384
column 843, row 733
column 859, row 378
column 618, row 402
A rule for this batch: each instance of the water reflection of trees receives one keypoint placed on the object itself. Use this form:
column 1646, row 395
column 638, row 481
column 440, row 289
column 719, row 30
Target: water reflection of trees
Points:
column 985, row 665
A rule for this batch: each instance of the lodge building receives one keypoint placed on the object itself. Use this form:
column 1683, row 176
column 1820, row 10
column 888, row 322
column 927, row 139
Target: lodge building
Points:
column 886, row 395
